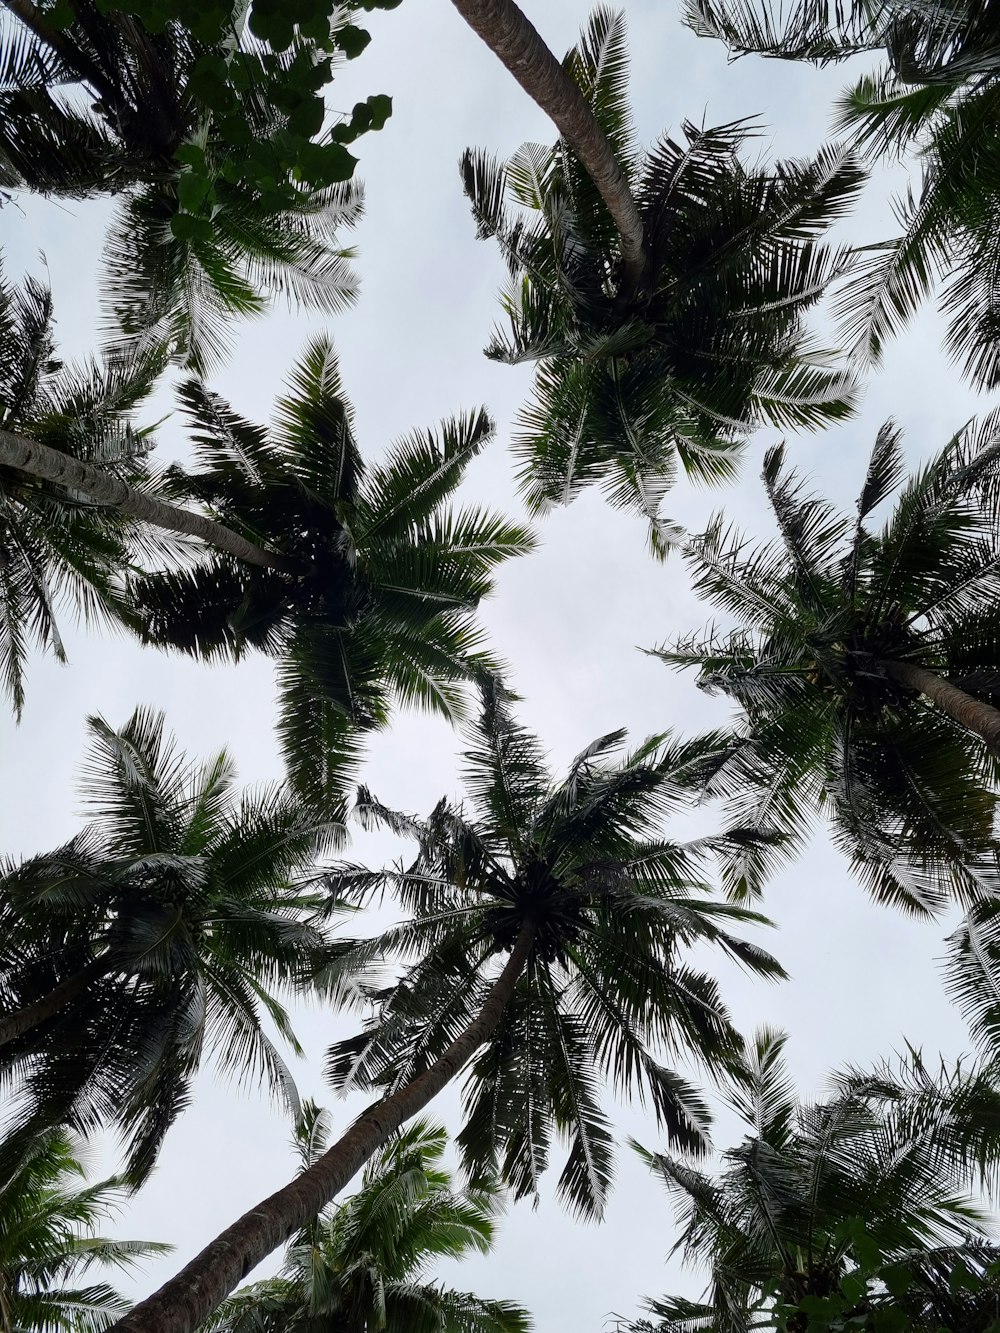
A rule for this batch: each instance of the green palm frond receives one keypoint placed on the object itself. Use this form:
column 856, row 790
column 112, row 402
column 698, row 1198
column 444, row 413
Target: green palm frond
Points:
column 368, row 1261
column 173, row 272
column 935, row 96
column 60, row 551
column 606, row 994
column 817, row 618
column 188, row 910
column 630, row 383
column 48, row 1220
column 375, row 598
column 885, row 1165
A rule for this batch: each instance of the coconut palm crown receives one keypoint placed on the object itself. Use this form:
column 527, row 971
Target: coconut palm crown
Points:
column 48, row 1219
column 542, row 953
column 938, row 98
column 366, row 1266
column 841, row 629
column 582, row 867
column 865, row 662
column 637, row 379
column 174, row 919
column 56, row 548
column 102, row 106
column 380, row 580
column 880, row 1177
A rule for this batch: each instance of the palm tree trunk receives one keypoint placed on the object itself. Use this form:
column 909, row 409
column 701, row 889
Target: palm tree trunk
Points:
column 38, row 460
column 513, row 38
column 182, row 1303
column 33, row 1015
column 981, row 719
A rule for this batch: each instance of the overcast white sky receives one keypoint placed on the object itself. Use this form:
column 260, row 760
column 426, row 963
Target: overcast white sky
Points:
column 569, row 617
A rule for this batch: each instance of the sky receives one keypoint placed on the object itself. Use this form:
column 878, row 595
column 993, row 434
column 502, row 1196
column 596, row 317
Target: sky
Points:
column 570, row 617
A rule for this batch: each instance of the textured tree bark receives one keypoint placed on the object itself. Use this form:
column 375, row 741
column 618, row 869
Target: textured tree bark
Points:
column 38, row 460
column 981, row 719
column 513, row 38
column 182, row 1303
column 33, row 1015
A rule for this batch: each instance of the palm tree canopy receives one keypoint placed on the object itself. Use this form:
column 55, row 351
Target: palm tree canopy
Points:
column 382, row 580
column 818, row 613
column 885, row 1169
column 633, row 382
column 201, row 234
column 366, row 1266
column 48, row 1219
column 606, row 992
column 189, row 905
column 56, row 548
column 938, row 96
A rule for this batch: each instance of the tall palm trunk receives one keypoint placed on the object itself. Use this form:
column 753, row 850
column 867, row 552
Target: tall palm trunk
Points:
column 513, row 38
column 981, row 719
column 182, row 1303
column 38, row 460
column 48, row 1006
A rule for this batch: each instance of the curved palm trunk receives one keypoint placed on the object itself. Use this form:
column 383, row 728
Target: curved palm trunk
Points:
column 182, row 1303
column 513, row 38
column 33, row 1015
column 981, row 719
column 38, row 460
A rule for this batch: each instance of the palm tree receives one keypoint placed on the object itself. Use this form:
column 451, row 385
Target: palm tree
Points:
column 56, row 546
column 633, row 380
column 573, row 888
column 201, row 235
column 379, row 578
column 47, row 1240
column 170, row 921
column 74, row 477
column 937, row 96
column 817, row 1197
column 363, row 1267
column 865, row 662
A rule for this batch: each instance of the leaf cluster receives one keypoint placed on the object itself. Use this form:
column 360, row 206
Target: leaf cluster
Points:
column 379, row 577
column 824, row 619
column 606, row 993
column 854, row 1212
column 634, row 382
column 183, row 907
column 366, row 1264
column 936, row 97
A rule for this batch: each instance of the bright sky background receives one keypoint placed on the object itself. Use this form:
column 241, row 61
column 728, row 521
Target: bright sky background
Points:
column 569, row 618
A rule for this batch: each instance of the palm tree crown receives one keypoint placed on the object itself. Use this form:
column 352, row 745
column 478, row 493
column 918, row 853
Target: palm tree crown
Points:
column 939, row 97
column 634, row 378
column 178, row 262
column 591, row 908
column 837, row 626
column 170, row 920
column 365, row 1266
column 381, row 578
column 865, row 663
column 47, row 1241
column 817, row 1196
column 581, row 867
column 55, row 547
